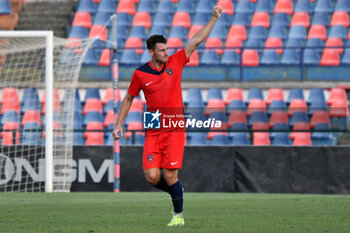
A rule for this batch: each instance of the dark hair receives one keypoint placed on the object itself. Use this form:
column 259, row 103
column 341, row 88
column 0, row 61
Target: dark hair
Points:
column 152, row 40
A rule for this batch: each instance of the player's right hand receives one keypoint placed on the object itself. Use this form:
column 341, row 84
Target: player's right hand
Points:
column 117, row 132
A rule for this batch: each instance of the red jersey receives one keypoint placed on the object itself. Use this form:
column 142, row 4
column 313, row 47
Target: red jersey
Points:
column 161, row 87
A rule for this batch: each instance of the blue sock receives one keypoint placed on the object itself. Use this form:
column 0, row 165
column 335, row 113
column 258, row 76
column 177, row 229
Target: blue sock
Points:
column 176, row 193
column 162, row 185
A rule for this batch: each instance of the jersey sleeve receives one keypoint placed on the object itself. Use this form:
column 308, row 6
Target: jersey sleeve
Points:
column 134, row 87
column 181, row 58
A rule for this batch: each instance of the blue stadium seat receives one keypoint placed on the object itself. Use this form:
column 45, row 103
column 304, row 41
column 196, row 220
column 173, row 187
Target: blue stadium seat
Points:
column 280, row 19
column 162, row 19
column 304, row 6
column 77, row 103
column 316, row 95
column 219, row 31
column 319, row 105
column 295, row 93
column 244, row 7
column 92, row 117
column 219, row 140
column 91, row 58
column 196, row 138
column 31, row 138
column 210, row 58
column 31, row 126
column 78, row 121
column 323, row 138
column 278, row 31
column 338, row 31
column 146, row 6
column 346, row 57
column 166, row 7
column 178, row 32
column 269, row 57
column 240, row 141
column 123, row 19
column 193, row 95
column 294, row 42
column 78, row 32
column 10, row 116
column 139, row 139
column 324, row 6
column 264, row 6
column 138, row 31
column 320, row 18
column 257, row 32
column 5, row 8
column 236, row 105
column 30, row 100
column 78, row 139
column 239, row 127
column 279, row 127
column 315, row 43
column 159, row 30
column 281, row 139
column 299, row 117
column 107, row 6
column 342, row 5
column 311, row 57
column 230, row 57
column 221, row 116
column 108, row 107
column 277, row 105
column 241, row 19
column 214, row 93
column 297, row 32
column 92, row 93
column 254, row 93
column 129, row 57
column 254, row 43
column 133, row 117
column 185, row 6
column 290, row 57
column 205, row 6
column 224, row 20
column 87, row 6
column 146, row 57
column 257, row 117
column 201, row 18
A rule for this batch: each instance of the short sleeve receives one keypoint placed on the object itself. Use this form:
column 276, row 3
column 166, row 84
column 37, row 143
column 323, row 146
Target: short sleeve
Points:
column 134, row 87
column 181, row 58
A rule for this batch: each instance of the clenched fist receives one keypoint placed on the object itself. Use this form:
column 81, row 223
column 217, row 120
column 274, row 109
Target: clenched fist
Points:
column 217, row 11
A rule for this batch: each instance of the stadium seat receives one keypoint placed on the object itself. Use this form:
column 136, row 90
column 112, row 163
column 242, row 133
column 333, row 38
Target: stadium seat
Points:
column 311, row 57
column 335, row 42
column 224, row 20
column 261, row 19
column 317, row 31
column 92, row 117
column 133, row 42
column 269, row 57
column 193, row 30
column 31, row 116
column 56, row 102
column 178, row 32
column 193, row 95
column 340, row 18
column 214, row 44
column 162, row 19
column 299, row 117
column 324, row 137
column 92, row 93
column 290, row 57
column 245, row 7
column 238, row 131
column 142, row 19
column 281, row 139
column 277, row 105
column 280, row 19
column 258, row 32
column 294, row 42
column 264, row 6
column 133, row 117
column 236, row 117
column 284, row 6
column 316, row 95
column 274, row 94
column 194, row 61
column 204, row 6
column 233, row 94
column 145, row 6
column 237, row 31
column 300, row 19
column 31, row 138
column 86, row 6
column 279, row 128
column 304, row 6
column 297, row 32
column 185, row 6
column 196, row 138
column 166, row 7
column 254, row 93
column 82, row 19
column 159, row 29
column 236, row 105
column 241, row 19
column 136, row 106
column 94, row 138
column 258, row 121
column 297, row 105
column 91, row 58
column 330, row 57
column 218, row 31
column 295, row 93
column 278, row 117
column 210, row 58
column 254, row 43
column 324, row 6
column 105, row 58
column 174, row 42
column 339, row 108
column 315, row 44
column 275, row 44
column 256, row 105
column 261, row 139
column 320, row 18
column 138, row 32
column 346, row 57
column 318, row 105
column 342, row 5
column 10, row 116
column 302, row 139
column 108, row 107
column 215, row 105
column 8, row 138
column 214, row 93
column 338, row 31
column 227, row 6
column 335, row 95
column 109, row 119
column 107, row 6
column 126, row 6
column 250, row 57
column 101, row 18
column 278, row 31
column 319, row 117
column 201, row 18
column 219, row 140
column 230, row 58
column 30, row 100
column 98, row 31
column 181, row 19
column 240, row 141
column 93, row 105
column 10, row 100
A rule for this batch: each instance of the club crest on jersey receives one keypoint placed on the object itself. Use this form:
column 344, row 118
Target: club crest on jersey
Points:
column 150, row 158
column 169, row 71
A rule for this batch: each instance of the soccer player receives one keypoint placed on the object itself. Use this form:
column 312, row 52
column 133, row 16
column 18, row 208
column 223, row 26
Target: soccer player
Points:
column 160, row 80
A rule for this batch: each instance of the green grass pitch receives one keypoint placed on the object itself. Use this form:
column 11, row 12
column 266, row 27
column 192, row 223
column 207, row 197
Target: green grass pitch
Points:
column 149, row 212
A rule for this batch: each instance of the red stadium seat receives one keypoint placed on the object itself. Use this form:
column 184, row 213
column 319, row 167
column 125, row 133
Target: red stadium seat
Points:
column 133, row 126
column 284, row 6
column 105, row 58
column 227, row 6
column 126, row 6
column 301, row 126
column 142, row 19
column 274, row 94
column 339, row 108
column 236, row 117
column 214, row 43
column 261, row 19
column 250, row 57
column 234, row 43
column 256, row 105
column 300, row 19
column 136, row 106
column 109, row 119
column 193, row 30
column 233, row 94
column 215, row 105
column 237, row 31
column 302, row 139
column 11, row 126
column 297, row 105
column 194, row 60
column 31, row 116
column 93, row 105
column 217, row 131
column 319, row 117
column 330, row 57
column 10, row 100
column 174, row 42
column 336, row 94
column 7, row 138
column 182, row 19
column 134, row 42
column 278, row 117
column 94, row 138
column 261, row 139
column 109, row 95
column 334, row 42
column 340, row 18
column 98, row 31
column 317, row 31
column 273, row 43
column 56, row 101
column 94, row 126
column 82, row 19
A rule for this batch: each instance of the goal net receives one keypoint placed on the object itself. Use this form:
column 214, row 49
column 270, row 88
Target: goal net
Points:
column 38, row 78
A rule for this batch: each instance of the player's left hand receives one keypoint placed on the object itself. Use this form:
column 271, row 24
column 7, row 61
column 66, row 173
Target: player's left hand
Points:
column 217, row 11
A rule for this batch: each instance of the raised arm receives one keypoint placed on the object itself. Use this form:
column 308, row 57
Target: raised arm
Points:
column 203, row 33
column 124, row 109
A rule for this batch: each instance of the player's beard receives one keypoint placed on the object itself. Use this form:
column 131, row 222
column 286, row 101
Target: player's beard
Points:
column 161, row 60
